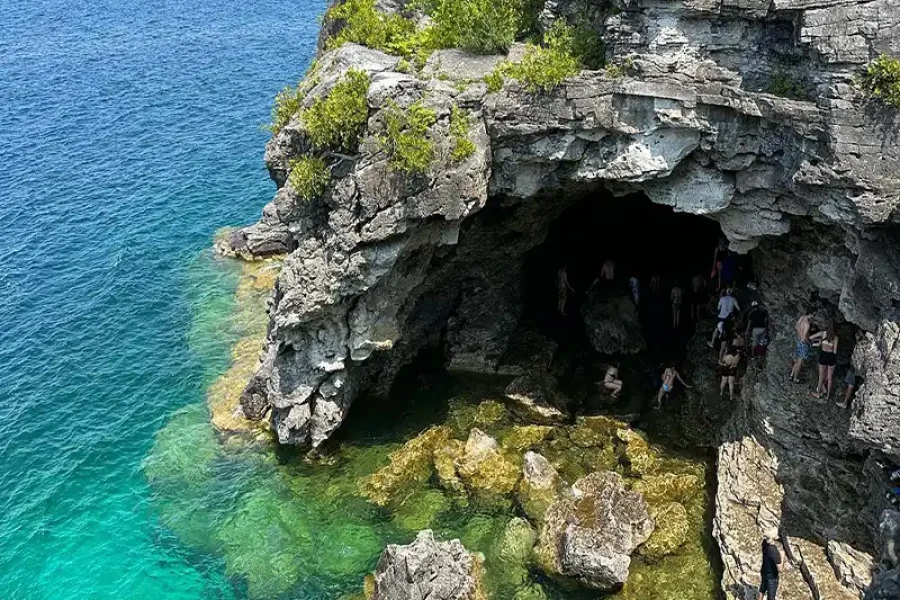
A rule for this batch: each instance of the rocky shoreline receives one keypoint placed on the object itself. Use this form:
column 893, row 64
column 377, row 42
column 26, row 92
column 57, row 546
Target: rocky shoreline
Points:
column 386, row 261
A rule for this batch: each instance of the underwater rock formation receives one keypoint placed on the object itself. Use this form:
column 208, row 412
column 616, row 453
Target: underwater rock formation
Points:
column 590, row 533
column 427, row 569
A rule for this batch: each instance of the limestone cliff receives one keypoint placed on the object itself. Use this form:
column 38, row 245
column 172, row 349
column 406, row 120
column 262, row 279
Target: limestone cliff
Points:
column 383, row 263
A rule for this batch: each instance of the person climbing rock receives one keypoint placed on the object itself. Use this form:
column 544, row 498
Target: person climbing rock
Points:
column 772, row 565
column 608, row 272
column 612, row 382
column 655, row 283
column 563, row 287
column 635, row 286
column 698, row 295
column 828, row 345
column 719, row 255
column 676, row 297
column 730, row 339
column 851, row 379
column 757, row 325
column 803, row 346
column 728, row 305
column 669, row 375
column 728, row 370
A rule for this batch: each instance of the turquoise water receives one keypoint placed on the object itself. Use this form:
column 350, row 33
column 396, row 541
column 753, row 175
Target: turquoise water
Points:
column 128, row 135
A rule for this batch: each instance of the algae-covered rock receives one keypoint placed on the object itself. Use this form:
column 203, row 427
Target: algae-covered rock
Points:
column 419, row 510
column 602, row 424
column 410, row 465
column 429, row 569
column 587, row 437
column 483, row 467
column 538, row 486
column 510, row 554
column 668, row 487
column 535, row 398
column 671, row 530
column 445, row 457
column 463, row 414
column 520, row 438
column 589, row 533
column 531, row 591
column 636, row 454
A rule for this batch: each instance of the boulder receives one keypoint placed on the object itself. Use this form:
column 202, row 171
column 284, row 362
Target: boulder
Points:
column 410, row 465
column 484, row 469
column 428, row 569
column 538, row 487
column 852, row 567
column 535, row 397
column 590, row 533
column 612, row 322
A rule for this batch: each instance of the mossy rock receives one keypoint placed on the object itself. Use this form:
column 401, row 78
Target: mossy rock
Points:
column 586, row 437
column 531, row 591
column 510, row 555
column 671, row 531
column 538, row 487
column 445, row 457
column 668, row 487
column 490, row 413
column 636, row 455
column 420, row 510
column 409, row 466
column 521, row 438
column 485, row 470
column 607, row 426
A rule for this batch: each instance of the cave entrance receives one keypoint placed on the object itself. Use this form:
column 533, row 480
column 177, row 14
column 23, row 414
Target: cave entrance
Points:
column 644, row 240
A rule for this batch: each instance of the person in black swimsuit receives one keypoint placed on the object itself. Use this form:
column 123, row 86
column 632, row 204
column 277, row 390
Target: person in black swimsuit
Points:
column 772, row 565
column 728, row 370
column 828, row 346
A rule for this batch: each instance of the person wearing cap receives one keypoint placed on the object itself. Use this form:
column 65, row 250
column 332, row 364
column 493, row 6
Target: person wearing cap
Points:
column 757, row 325
column 772, row 564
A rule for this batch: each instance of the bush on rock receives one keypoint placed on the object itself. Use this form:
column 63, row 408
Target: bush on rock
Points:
column 882, row 79
column 309, row 177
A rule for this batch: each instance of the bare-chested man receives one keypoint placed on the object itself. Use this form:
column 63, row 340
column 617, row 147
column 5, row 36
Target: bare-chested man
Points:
column 669, row 375
column 803, row 345
column 563, row 287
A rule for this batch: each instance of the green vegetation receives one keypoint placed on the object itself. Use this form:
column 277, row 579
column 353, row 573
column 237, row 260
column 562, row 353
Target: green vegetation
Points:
column 460, row 123
column 405, row 137
column 882, row 80
column 287, row 104
column 618, row 70
column 544, row 67
column 494, row 80
column 309, row 177
column 336, row 120
column 364, row 24
column 784, row 85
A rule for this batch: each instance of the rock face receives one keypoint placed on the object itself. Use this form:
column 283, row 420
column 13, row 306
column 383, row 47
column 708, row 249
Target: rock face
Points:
column 589, row 534
column 612, row 322
column 876, row 419
column 534, row 397
column 427, row 570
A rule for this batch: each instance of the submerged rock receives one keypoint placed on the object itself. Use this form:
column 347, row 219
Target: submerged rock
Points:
column 525, row 437
column 484, row 469
column 410, row 465
column 590, row 533
column 671, row 530
column 535, row 397
column 538, row 486
column 427, row 570
column 612, row 322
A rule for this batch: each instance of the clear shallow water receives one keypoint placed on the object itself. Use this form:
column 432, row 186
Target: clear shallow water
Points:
column 128, row 135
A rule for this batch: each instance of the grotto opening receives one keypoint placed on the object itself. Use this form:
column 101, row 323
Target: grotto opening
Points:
column 698, row 126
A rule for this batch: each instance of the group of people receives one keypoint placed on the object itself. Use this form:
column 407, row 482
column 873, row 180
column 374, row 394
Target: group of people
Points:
column 827, row 342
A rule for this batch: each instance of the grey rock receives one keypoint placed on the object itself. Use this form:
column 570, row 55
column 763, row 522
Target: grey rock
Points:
column 612, row 321
column 426, row 570
column 590, row 533
column 876, row 415
column 534, row 397
column 885, row 586
column 853, row 568
column 889, row 533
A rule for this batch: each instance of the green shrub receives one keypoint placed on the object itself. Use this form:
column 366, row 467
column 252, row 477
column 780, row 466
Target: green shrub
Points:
column 494, row 80
column 882, row 80
column 337, row 120
column 587, row 46
column 460, row 124
column 544, row 67
column 287, row 104
column 782, row 84
column 364, row 24
column 479, row 26
column 405, row 137
column 618, row 70
column 309, row 177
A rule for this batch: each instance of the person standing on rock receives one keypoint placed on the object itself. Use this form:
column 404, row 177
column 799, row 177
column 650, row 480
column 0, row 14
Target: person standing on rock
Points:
column 698, row 296
column 635, row 286
column 728, row 305
column 852, row 381
column 757, row 325
column 676, row 297
column 563, row 287
column 803, row 347
column 772, row 564
column 719, row 256
column 728, row 369
column 608, row 272
column 670, row 374
column 828, row 346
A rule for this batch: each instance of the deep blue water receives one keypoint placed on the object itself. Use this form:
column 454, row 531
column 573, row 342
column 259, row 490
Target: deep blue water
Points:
column 129, row 133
